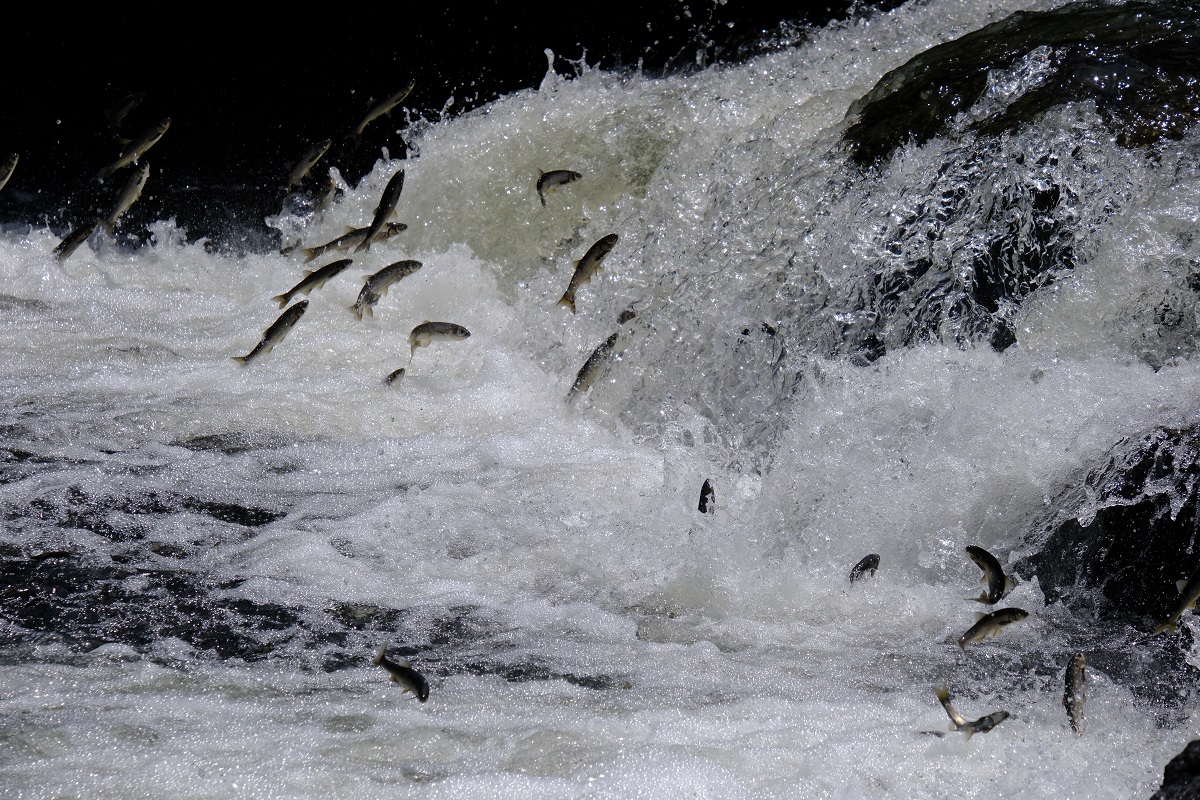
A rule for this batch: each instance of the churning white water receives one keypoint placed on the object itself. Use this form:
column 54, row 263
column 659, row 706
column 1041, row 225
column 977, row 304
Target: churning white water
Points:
column 585, row 630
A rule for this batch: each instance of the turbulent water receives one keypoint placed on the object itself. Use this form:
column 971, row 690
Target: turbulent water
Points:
column 903, row 348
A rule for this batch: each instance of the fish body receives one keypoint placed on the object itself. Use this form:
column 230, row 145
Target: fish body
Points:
column 137, row 147
column 550, row 181
column 313, row 279
column 1073, row 694
column 959, row 723
column 387, row 204
column 394, row 377
column 593, row 367
column 428, row 332
column 7, row 168
column 381, row 108
column 990, row 625
column 377, row 285
column 869, row 564
column 993, row 575
column 72, row 240
column 353, row 237
column 307, row 162
column 1189, row 595
column 586, row 267
column 128, row 196
column 403, row 674
column 118, row 112
column 274, row 334
column 708, row 498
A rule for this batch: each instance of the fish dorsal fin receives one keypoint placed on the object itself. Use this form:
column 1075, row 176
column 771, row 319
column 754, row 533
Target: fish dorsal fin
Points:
column 1180, row 584
column 980, row 615
column 308, row 272
column 1009, row 585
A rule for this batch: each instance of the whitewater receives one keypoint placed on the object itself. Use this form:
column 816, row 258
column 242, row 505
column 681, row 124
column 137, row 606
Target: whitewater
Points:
column 206, row 556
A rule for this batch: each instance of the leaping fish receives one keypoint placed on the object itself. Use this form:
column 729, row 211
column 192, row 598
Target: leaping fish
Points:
column 313, row 279
column 7, row 168
column 353, row 237
column 117, row 113
column 959, row 723
column 998, row 584
column 1189, row 595
column 387, row 204
column 1073, row 694
column 428, row 332
column 137, row 148
column 274, row 334
column 550, row 181
column 310, row 158
column 72, row 240
column 381, row 108
column 128, row 196
column 592, row 368
column 377, row 285
column 586, row 267
column 991, row 625
column 402, row 673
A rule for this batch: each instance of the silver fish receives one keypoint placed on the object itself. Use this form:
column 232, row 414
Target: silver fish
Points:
column 117, row 113
column 1189, row 595
column 7, row 168
column 586, row 267
column 1073, row 694
column 274, row 334
column 990, row 625
column 868, row 564
column 377, row 285
column 592, row 368
column 313, row 279
column 402, row 673
column 128, row 196
column 550, row 181
column 387, row 204
column 993, row 575
column 307, row 162
column 137, row 148
column 428, row 332
column 381, row 108
column 352, row 237
column 959, row 723
column 72, row 240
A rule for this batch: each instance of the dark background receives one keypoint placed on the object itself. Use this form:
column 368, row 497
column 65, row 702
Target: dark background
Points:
column 247, row 95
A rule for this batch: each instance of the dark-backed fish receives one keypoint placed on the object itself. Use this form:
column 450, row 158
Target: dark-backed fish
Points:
column 990, row 625
column 313, row 279
column 1189, row 594
column 137, row 148
column 353, row 237
column 993, row 575
column 959, row 723
column 867, row 565
column 117, row 113
column 128, row 196
column 72, row 240
column 394, row 377
column 550, row 181
column 377, row 285
column 1073, row 694
column 592, row 368
column 403, row 674
column 309, row 160
column 387, row 205
column 274, row 334
column 428, row 332
column 7, row 168
column 586, row 267
column 381, row 108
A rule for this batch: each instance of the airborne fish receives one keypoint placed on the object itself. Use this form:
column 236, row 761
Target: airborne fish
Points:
column 1189, row 594
column 592, row 367
column 402, row 673
column 586, row 267
column 136, row 148
column 869, row 563
column 128, row 196
column 428, row 332
column 352, row 237
column 387, row 204
column 990, row 625
column 381, row 108
column 72, row 240
column 118, row 112
column 274, row 334
column 550, row 181
column 993, row 575
column 959, row 723
column 313, row 279
column 377, row 285
column 1073, row 694
column 307, row 162
column 6, row 169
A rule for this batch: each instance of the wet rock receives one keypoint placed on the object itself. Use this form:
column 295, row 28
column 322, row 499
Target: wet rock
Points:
column 1181, row 776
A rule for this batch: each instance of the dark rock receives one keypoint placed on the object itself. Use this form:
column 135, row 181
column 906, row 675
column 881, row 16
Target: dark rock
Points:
column 1181, row 776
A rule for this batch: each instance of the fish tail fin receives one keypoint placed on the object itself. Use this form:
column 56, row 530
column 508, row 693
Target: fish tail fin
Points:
column 568, row 302
column 356, row 310
column 542, row 197
column 1009, row 585
column 983, row 597
column 1166, row 626
column 309, row 254
column 378, row 659
column 942, row 692
column 241, row 359
column 282, row 299
column 967, row 733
